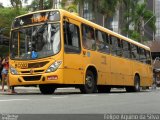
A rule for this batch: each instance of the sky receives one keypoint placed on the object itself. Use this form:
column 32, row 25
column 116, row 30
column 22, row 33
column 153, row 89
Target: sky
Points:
column 6, row 3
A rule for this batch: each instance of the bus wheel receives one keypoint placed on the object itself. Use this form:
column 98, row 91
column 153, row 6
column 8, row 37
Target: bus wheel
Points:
column 136, row 84
column 136, row 87
column 90, row 84
column 104, row 89
column 47, row 89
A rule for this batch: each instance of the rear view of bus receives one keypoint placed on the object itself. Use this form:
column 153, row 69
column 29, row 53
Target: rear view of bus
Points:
column 35, row 50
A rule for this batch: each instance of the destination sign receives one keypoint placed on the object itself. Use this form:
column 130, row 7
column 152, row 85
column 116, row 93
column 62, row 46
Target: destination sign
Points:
column 36, row 18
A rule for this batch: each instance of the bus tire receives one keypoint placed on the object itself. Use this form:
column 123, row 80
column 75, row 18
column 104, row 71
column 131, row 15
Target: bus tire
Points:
column 47, row 89
column 136, row 87
column 104, row 89
column 90, row 83
column 136, row 84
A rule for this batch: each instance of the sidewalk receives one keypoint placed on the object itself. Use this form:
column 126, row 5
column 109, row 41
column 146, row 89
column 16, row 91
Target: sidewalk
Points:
column 26, row 90
column 19, row 89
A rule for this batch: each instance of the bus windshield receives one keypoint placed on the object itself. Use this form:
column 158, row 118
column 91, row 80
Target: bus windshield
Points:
column 35, row 42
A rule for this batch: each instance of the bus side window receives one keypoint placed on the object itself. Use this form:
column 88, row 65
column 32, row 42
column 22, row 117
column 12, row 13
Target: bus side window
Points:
column 102, row 43
column 88, row 38
column 142, row 55
column 116, row 47
column 145, row 54
column 134, row 52
column 148, row 57
column 126, row 49
column 71, row 38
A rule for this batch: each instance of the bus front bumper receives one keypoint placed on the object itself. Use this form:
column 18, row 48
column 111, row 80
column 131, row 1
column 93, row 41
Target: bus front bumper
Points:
column 36, row 79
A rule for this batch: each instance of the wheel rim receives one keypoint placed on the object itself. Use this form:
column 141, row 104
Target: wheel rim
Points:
column 137, row 85
column 89, row 81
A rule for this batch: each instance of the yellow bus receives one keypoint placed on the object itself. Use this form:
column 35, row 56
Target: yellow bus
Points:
column 55, row 48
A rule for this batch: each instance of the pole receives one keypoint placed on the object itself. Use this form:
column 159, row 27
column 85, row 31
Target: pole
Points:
column 148, row 20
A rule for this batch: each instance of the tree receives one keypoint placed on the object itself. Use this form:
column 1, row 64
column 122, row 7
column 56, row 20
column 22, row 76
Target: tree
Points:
column 139, row 17
column 71, row 7
column 126, row 10
column 92, row 5
column 16, row 3
column 1, row 5
column 107, row 8
column 7, row 16
column 81, row 6
column 48, row 4
column 41, row 5
column 133, row 17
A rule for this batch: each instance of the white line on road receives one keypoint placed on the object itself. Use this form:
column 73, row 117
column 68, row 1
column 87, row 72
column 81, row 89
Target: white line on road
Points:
column 90, row 95
column 13, row 100
column 60, row 97
column 114, row 94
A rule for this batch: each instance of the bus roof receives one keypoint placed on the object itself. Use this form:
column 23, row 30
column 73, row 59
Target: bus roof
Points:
column 77, row 18
column 38, row 12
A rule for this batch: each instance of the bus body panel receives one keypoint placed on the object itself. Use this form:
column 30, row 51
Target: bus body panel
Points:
column 22, row 80
column 111, row 70
column 35, row 68
column 121, row 71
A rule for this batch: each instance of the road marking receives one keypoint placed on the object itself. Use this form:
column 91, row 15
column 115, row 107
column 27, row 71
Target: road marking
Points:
column 13, row 100
column 114, row 94
column 60, row 97
column 90, row 95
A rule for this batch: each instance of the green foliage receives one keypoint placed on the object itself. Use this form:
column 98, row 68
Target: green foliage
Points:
column 16, row 3
column 4, row 50
column 7, row 16
column 137, row 16
column 107, row 7
column 36, row 5
column 135, row 35
column 1, row 5
column 72, row 8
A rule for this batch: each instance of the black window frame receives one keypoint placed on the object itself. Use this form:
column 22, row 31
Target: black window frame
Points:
column 143, row 57
column 124, row 49
column 149, row 59
column 105, row 42
column 68, row 47
column 84, row 37
column 137, row 52
column 118, row 47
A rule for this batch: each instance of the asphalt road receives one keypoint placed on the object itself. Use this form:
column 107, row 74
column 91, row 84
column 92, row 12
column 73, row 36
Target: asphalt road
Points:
column 71, row 101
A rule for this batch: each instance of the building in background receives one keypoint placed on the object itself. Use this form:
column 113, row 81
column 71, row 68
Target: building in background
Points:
column 157, row 13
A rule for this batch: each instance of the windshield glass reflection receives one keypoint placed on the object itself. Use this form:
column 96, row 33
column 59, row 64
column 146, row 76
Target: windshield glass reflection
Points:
column 35, row 42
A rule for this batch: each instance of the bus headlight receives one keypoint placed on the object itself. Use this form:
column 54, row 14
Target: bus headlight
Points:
column 54, row 66
column 13, row 70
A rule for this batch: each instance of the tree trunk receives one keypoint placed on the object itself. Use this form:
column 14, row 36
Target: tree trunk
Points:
column 103, row 21
column 81, row 8
column 108, row 21
column 51, row 3
column 40, row 4
column 122, row 21
column 95, row 9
